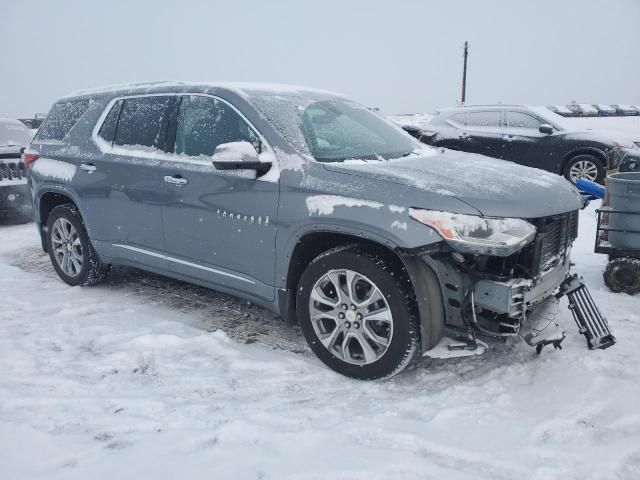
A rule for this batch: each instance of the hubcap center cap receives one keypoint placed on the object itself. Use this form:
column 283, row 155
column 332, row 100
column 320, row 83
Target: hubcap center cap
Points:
column 351, row 315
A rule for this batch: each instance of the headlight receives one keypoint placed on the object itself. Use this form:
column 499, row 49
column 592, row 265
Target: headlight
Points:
column 473, row 234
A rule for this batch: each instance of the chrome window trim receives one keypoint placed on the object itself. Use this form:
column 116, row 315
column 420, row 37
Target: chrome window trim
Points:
column 106, row 147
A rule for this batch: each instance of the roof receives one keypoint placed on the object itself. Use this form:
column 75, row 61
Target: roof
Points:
column 481, row 106
column 241, row 88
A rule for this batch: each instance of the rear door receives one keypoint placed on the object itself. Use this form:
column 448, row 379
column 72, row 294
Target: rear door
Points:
column 219, row 226
column 474, row 132
column 123, row 190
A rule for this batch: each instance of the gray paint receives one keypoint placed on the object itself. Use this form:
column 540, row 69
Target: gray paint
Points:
column 202, row 232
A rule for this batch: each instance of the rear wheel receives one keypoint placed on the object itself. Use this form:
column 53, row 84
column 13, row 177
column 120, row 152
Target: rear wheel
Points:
column 70, row 249
column 358, row 315
column 584, row 166
column 623, row 275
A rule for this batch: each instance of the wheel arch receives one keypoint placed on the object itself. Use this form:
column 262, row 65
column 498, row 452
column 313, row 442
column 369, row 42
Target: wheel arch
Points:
column 47, row 201
column 420, row 277
column 594, row 152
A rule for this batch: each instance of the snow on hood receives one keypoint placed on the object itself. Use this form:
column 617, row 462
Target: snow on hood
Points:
column 493, row 187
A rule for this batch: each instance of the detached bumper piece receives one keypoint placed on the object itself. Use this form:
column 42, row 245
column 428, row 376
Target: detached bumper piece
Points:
column 542, row 329
column 590, row 321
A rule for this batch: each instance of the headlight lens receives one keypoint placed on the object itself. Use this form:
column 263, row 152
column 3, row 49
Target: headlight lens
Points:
column 473, row 234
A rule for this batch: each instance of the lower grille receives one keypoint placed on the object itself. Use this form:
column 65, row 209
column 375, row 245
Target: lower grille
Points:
column 555, row 235
column 11, row 171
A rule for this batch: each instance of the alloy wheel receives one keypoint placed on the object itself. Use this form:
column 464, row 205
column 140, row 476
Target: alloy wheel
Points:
column 351, row 317
column 67, row 248
column 583, row 169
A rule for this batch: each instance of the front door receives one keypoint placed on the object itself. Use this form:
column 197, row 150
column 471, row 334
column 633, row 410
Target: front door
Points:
column 525, row 144
column 219, row 226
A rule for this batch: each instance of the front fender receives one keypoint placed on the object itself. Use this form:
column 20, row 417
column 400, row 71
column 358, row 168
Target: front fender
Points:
column 387, row 225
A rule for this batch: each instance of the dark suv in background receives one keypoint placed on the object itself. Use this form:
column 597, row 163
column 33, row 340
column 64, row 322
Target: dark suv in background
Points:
column 306, row 203
column 14, row 194
column 531, row 136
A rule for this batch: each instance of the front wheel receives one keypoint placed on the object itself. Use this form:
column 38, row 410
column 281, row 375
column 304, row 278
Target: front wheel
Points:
column 70, row 249
column 358, row 313
column 584, row 166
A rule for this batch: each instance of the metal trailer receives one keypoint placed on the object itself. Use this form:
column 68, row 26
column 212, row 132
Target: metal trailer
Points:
column 618, row 232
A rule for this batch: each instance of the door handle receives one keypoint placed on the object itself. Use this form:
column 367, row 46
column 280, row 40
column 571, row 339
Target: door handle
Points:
column 464, row 136
column 88, row 167
column 175, row 179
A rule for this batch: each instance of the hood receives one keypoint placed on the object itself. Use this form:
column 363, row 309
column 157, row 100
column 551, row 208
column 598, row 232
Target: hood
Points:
column 11, row 150
column 619, row 137
column 495, row 188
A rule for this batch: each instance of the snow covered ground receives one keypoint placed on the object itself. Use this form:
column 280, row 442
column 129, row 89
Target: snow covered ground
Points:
column 145, row 377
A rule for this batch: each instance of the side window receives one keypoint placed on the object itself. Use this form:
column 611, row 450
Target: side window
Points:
column 108, row 128
column 459, row 119
column 141, row 122
column 483, row 119
column 61, row 119
column 203, row 123
column 522, row 120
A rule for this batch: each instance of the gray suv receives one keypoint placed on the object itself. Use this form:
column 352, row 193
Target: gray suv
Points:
column 305, row 203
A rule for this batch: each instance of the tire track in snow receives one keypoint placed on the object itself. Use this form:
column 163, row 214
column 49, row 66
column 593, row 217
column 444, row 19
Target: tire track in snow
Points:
column 209, row 310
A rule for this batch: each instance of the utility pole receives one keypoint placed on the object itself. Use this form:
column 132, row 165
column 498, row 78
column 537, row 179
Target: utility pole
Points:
column 464, row 73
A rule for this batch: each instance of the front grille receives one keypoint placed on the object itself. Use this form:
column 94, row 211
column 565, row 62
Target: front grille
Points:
column 11, row 171
column 555, row 235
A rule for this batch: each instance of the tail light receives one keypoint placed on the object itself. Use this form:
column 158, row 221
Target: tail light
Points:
column 28, row 157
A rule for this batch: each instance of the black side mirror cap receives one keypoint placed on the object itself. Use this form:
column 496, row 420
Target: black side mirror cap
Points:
column 546, row 129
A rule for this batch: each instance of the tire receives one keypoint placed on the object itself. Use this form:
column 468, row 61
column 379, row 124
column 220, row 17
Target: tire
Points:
column 591, row 167
column 341, row 336
column 622, row 275
column 82, row 266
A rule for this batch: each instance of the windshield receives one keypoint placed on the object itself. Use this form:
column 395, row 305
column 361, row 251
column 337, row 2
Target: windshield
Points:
column 14, row 133
column 333, row 130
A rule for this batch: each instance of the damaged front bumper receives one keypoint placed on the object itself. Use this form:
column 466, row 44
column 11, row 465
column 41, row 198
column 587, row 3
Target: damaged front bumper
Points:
column 521, row 307
column 533, row 308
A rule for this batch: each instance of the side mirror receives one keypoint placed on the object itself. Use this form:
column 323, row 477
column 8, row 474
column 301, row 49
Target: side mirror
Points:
column 238, row 156
column 546, row 129
column 413, row 131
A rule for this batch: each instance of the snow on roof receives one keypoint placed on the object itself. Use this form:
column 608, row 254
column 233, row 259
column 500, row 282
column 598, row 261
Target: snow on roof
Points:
column 12, row 121
column 587, row 107
column 419, row 120
column 561, row 108
column 242, row 88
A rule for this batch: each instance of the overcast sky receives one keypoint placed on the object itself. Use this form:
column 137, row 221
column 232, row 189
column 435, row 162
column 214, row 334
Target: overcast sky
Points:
column 402, row 56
